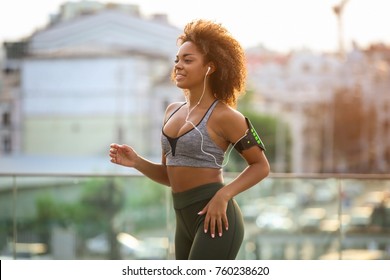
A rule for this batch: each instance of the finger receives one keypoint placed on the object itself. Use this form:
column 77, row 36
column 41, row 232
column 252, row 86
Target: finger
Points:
column 219, row 227
column 225, row 222
column 113, row 157
column 212, row 228
column 206, row 224
column 114, row 145
column 203, row 211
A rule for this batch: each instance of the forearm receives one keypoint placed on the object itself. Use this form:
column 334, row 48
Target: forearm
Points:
column 251, row 175
column 155, row 171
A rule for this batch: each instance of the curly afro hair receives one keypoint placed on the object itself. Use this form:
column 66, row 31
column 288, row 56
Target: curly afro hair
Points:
column 219, row 47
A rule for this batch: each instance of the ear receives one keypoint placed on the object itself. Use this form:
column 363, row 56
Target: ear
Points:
column 211, row 68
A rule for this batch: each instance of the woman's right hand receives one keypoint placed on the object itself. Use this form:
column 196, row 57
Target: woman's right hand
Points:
column 123, row 155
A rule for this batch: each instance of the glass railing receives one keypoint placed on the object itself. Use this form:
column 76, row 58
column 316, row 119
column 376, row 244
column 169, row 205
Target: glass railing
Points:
column 111, row 216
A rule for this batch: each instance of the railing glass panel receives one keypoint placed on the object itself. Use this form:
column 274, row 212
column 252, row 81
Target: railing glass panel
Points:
column 72, row 216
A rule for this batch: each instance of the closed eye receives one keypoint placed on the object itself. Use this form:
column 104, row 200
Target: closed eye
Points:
column 185, row 61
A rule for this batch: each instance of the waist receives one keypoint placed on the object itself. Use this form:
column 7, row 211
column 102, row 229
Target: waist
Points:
column 185, row 178
column 199, row 193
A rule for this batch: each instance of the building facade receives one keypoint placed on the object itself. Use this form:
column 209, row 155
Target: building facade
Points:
column 91, row 80
column 300, row 88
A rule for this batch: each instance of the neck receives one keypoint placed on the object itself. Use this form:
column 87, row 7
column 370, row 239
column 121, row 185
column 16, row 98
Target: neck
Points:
column 199, row 98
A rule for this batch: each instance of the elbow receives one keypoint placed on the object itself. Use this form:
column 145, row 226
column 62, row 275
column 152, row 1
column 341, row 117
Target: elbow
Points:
column 259, row 164
column 263, row 169
column 267, row 169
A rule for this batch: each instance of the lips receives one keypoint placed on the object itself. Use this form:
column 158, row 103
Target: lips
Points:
column 179, row 77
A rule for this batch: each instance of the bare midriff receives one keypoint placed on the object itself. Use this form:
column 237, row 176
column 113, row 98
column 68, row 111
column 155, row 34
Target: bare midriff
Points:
column 186, row 178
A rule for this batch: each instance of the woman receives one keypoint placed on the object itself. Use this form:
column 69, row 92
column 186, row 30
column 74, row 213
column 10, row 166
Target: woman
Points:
column 210, row 68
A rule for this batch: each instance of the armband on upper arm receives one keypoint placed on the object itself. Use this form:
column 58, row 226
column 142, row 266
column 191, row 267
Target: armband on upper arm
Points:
column 250, row 139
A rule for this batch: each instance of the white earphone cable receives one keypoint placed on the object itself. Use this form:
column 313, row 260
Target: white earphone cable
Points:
column 201, row 135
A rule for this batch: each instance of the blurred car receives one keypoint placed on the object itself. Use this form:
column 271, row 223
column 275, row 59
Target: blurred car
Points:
column 355, row 254
column 374, row 198
column 253, row 208
column 25, row 251
column 324, row 193
column 289, row 200
column 131, row 247
column 332, row 224
column 311, row 218
column 275, row 218
column 361, row 216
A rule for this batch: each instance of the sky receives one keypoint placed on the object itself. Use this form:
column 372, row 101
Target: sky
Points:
column 280, row 25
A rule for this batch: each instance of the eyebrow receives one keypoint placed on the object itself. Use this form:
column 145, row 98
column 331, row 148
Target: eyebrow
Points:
column 186, row 54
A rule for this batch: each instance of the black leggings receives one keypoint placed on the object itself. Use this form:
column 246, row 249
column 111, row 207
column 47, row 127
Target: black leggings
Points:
column 191, row 243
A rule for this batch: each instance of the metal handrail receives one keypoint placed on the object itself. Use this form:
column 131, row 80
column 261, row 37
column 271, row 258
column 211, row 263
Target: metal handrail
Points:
column 362, row 176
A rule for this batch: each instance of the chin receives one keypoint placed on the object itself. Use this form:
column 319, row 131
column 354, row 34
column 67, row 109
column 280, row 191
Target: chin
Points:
column 180, row 85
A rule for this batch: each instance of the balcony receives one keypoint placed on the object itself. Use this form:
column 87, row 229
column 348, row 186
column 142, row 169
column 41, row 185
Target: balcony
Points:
column 116, row 216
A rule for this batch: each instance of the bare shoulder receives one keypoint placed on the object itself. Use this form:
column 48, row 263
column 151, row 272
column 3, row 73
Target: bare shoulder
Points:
column 229, row 115
column 231, row 123
column 171, row 108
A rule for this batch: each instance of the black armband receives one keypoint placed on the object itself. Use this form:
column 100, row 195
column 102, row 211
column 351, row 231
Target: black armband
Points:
column 250, row 139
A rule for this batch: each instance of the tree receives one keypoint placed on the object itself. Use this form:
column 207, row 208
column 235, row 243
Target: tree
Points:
column 354, row 126
column 101, row 203
column 93, row 213
column 268, row 127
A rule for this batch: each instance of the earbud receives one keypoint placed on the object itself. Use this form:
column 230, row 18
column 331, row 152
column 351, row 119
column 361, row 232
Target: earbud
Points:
column 208, row 70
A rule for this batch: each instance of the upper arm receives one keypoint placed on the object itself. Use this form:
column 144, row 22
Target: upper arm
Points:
column 232, row 125
column 234, row 128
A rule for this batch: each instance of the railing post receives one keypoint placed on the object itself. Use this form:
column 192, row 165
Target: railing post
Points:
column 339, row 216
column 14, row 219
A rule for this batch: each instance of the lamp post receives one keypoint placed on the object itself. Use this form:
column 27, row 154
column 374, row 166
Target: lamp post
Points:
column 338, row 10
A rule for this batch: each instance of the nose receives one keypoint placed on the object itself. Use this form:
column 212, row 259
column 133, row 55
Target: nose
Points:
column 178, row 66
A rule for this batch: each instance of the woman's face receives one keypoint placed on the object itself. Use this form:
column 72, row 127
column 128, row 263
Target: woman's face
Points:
column 190, row 70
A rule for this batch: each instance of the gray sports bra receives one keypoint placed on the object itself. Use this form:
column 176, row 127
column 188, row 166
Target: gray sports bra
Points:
column 186, row 150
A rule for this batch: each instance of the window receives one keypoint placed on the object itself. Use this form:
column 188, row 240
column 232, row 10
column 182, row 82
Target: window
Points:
column 6, row 119
column 7, row 147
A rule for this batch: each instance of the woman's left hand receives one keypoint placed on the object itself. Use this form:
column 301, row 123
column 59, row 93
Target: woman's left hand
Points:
column 216, row 218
